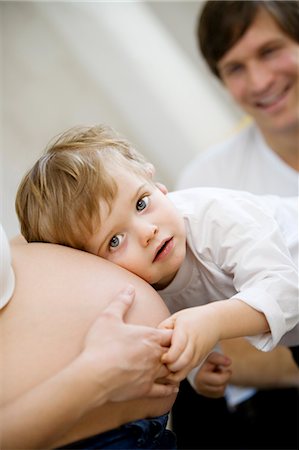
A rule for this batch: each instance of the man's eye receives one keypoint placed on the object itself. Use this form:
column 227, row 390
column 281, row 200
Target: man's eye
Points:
column 115, row 241
column 142, row 203
column 234, row 69
column 269, row 51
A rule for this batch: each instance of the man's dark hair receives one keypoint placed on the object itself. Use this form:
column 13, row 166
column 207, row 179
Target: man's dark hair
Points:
column 222, row 23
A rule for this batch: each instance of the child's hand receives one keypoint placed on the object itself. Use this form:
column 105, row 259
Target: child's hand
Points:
column 214, row 375
column 195, row 334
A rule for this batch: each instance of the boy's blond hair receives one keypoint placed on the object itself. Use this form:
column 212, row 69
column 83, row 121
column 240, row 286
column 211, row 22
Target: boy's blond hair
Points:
column 58, row 200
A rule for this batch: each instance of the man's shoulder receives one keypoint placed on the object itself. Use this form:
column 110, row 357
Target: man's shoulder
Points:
column 217, row 160
column 233, row 144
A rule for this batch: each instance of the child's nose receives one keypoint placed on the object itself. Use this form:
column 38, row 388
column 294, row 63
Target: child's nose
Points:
column 148, row 234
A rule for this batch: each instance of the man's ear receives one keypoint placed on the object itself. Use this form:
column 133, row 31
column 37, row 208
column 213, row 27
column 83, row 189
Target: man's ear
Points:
column 162, row 188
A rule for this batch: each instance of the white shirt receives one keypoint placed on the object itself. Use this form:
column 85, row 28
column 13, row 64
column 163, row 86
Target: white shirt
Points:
column 239, row 246
column 245, row 162
column 242, row 162
column 7, row 279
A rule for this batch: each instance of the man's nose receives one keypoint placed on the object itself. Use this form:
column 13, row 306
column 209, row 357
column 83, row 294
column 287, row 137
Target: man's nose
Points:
column 259, row 78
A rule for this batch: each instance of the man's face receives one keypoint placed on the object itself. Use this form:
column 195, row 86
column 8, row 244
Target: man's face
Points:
column 143, row 232
column 261, row 72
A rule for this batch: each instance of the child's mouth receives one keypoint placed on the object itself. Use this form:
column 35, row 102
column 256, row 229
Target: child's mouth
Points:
column 164, row 249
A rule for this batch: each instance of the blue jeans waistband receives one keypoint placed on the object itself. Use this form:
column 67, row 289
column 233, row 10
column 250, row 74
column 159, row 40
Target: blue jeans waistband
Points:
column 140, row 434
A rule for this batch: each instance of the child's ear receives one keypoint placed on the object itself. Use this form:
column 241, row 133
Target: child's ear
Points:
column 150, row 170
column 162, row 188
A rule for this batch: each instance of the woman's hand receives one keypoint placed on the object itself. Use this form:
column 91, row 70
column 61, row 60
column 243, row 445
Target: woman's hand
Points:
column 125, row 359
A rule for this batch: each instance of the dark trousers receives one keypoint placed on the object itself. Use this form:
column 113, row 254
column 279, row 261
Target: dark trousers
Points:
column 295, row 353
column 141, row 434
column 268, row 420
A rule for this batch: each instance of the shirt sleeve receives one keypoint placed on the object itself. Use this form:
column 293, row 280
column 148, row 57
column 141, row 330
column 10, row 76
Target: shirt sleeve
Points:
column 249, row 246
column 7, row 279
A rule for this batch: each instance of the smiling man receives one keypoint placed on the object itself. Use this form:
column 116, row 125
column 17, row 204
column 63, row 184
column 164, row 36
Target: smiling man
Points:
column 255, row 54
column 261, row 73
column 252, row 47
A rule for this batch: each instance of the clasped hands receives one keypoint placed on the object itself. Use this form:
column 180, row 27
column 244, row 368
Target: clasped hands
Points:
column 194, row 337
column 131, row 361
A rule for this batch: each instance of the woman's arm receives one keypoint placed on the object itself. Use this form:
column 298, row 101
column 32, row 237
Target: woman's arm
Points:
column 108, row 368
column 44, row 413
column 60, row 365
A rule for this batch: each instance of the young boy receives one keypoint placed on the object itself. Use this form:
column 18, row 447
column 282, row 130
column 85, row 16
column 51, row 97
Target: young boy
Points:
column 231, row 252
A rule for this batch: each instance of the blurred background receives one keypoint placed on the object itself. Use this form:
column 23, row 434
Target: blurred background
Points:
column 132, row 65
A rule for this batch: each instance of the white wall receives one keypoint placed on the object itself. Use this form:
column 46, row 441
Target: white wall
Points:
column 132, row 65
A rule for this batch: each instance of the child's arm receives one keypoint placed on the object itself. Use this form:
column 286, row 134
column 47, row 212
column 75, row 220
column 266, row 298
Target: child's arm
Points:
column 197, row 330
column 247, row 249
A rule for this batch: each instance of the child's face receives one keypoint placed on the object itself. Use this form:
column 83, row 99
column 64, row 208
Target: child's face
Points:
column 144, row 232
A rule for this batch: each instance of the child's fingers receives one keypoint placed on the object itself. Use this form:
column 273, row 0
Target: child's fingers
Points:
column 182, row 361
column 218, row 379
column 165, row 337
column 178, row 346
column 218, row 359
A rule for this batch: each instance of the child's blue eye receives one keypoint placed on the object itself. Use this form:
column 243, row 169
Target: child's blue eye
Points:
column 115, row 241
column 142, row 203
